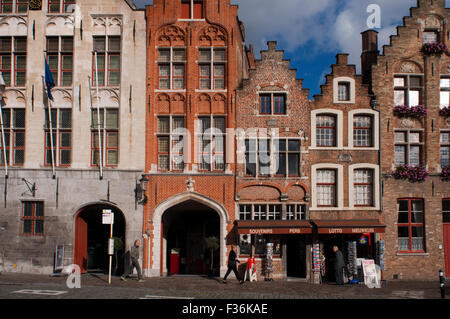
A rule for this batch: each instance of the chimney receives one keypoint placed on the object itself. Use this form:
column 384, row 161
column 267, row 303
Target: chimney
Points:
column 342, row 58
column 369, row 54
column 431, row 3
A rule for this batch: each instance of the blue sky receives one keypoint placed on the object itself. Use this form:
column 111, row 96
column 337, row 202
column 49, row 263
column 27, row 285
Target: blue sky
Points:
column 312, row 32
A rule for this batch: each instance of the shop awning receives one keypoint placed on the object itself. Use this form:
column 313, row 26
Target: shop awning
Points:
column 275, row 227
column 348, row 226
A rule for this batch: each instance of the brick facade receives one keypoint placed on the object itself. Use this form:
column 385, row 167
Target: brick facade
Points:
column 402, row 57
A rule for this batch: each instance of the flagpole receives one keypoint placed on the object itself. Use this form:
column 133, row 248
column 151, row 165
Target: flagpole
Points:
column 2, row 87
column 98, row 117
column 51, row 131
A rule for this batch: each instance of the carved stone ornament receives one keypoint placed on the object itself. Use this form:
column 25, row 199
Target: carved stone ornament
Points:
column 190, row 185
column 407, row 123
column 407, row 67
column 432, row 22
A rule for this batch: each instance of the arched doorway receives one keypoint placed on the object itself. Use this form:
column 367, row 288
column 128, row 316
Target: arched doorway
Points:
column 91, row 239
column 195, row 201
column 186, row 227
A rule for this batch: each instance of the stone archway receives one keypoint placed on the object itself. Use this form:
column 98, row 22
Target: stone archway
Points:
column 159, row 265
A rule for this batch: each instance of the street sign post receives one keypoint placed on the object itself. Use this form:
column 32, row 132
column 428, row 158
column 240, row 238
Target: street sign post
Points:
column 108, row 219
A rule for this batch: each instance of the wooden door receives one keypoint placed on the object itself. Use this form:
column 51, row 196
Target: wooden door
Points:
column 81, row 240
column 447, row 248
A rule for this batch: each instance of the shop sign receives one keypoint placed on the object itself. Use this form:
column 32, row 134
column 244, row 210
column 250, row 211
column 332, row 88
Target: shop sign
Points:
column 346, row 230
column 260, row 231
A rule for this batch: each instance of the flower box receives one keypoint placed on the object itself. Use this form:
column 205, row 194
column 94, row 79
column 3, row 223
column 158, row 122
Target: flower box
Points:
column 418, row 111
column 435, row 48
column 411, row 173
column 445, row 111
column 445, row 174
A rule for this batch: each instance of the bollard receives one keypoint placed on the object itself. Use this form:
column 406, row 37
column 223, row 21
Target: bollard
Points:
column 442, row 283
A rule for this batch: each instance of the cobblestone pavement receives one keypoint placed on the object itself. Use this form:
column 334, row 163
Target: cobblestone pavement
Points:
column 95, row 286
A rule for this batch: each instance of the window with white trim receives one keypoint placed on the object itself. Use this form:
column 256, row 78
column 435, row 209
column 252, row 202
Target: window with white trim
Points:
column 326, row 182
column 343, row 91
column 170, row 143
column 363, row 187
column 326, row 130
column 363, row 131
column 212, row 68
column 171, row 68
column 295, row 212
column 211, row 137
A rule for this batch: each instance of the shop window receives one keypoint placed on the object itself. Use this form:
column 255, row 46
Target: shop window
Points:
column 245, row 244
column 32, row 218
column 408, row 148
column 408, row 90
column 411, row 227
column 261, row 241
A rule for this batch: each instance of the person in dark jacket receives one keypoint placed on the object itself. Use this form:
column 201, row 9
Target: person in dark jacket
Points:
column 339, row 265
column 134, row 254
column 232, row 260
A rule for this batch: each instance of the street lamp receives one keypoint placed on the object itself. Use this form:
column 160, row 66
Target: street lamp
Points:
column 140, row 190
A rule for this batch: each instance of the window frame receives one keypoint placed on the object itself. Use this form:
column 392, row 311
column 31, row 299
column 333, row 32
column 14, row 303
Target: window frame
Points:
column 63, row 5
column 369, row 131
column 333, row 184
column 346, row 95
column 105, row 132
column 369, row 193
column 58, row 131
column 446, row 213
column 60, row 54
column 407, row 88
column 333, row 128
column 212, row 62
column 11, row 132
column 33, row 218
column 191, row 4
column 212, row 132
column 407, row 145
column 15, row 5
column 105, row 54
column 444, row 145
column 410, row 225
column 273, row 96
column 444, row 89
column 170, row 137
column 171, row 64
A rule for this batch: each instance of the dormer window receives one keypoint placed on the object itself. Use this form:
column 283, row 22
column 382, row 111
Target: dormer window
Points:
column 344, row 91
column 430, row 36
column 191, row 9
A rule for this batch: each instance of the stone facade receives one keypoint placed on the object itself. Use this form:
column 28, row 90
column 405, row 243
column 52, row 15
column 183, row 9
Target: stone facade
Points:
column 76, row 184
column 402, row 59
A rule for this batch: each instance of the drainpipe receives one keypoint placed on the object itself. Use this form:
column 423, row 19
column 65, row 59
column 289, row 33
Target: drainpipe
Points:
column 374, row 104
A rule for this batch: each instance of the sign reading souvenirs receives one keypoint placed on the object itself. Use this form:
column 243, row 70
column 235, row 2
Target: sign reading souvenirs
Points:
column 35, row 4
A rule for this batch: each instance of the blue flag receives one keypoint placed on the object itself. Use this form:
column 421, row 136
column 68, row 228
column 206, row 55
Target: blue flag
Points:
column 49, row 82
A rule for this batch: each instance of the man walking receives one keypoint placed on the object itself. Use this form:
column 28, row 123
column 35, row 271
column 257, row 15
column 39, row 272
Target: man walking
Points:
column 339, row 265
column 134, row 254
column 232, row 260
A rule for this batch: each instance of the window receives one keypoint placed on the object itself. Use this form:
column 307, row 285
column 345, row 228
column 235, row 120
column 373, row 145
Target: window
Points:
column 295, row 212
column 32, row 218
column 326, row 188
column 430, row 36
column 245, row 212
column 446, row 210
column 344, row 91
column 287, row 157
column 13, row 56
column 411, row 225
column 261, row 242
column 212, row 62
column 260, row 212
column 61, row 6
column 408, row 148
column 14, row 128
column 326, row 131
column 445, row 149
column 260, row 153
column 170, row 143
column 211, row 140
column 363, row 187
column 109, row 137
column 245, row 244
column 274, row 212
column 171, row 64
column 445, row 92
column 191, row 9
column 61, row 135
column 362, row 131
column 272, row 104
column 108, row 61
column 60, row 59
column 16, row 6
column 408, row 90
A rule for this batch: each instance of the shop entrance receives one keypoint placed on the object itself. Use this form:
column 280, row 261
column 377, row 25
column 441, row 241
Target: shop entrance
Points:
column 91, row 240
column 296, row 256
column 186, row 227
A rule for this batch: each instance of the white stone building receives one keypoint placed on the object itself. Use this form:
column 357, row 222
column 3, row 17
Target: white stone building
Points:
column 48, row 200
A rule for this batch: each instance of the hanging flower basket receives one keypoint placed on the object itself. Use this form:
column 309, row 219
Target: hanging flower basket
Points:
column 418, row 111
column 411, row 173
column 445, row 174
column 435, row 48
column 445, row 111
